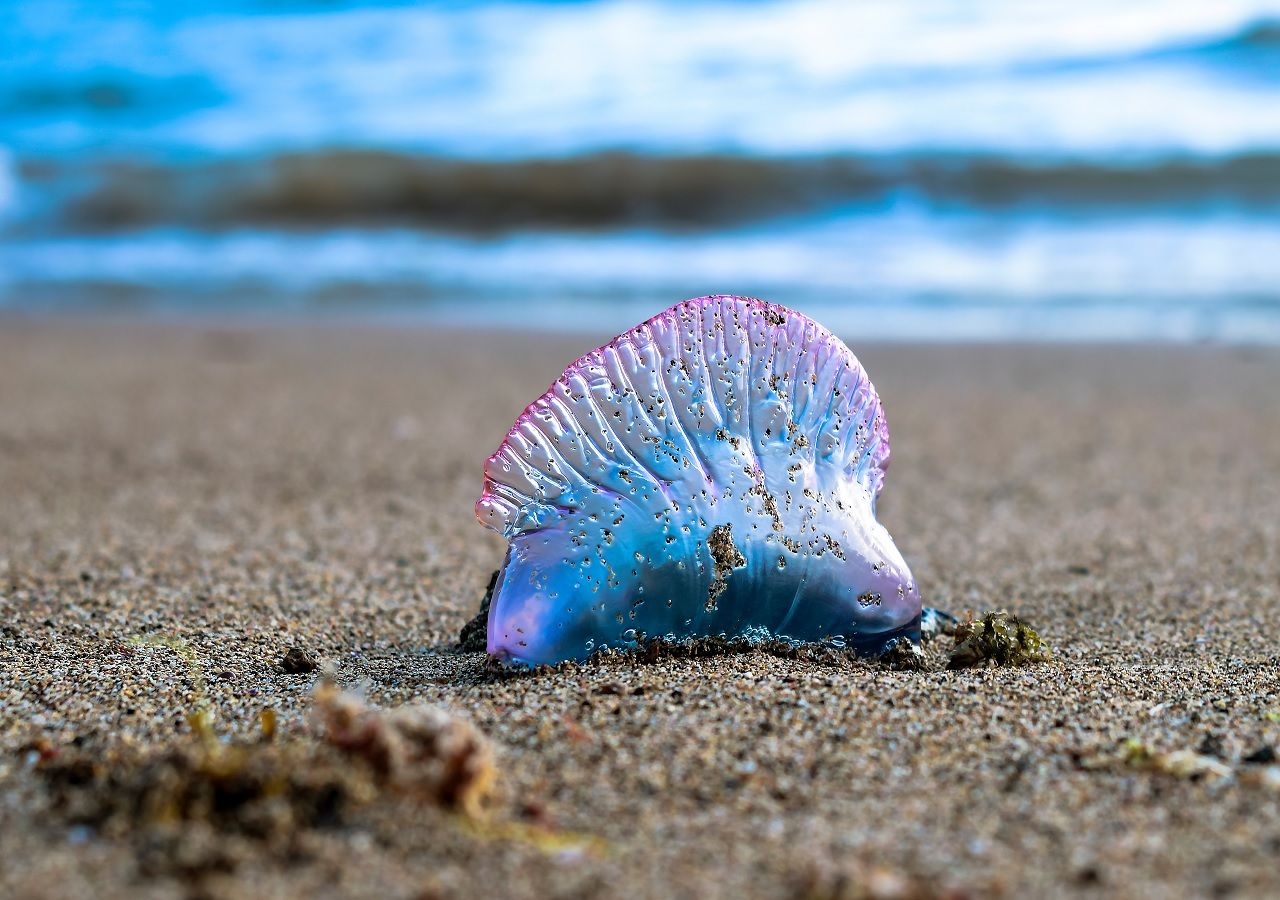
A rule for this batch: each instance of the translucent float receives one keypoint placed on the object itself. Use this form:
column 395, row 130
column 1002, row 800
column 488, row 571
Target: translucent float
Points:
column 712, row 471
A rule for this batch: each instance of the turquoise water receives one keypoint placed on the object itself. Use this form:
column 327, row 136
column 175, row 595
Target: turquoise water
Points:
column 912, row 170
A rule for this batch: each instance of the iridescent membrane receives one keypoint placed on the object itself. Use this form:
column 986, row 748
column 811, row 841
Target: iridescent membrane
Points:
column 713, row 471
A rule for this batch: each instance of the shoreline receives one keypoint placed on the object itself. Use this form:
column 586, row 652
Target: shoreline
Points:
column 426, row 322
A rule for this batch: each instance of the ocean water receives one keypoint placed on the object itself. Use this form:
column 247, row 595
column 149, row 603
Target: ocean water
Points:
column 914, row 170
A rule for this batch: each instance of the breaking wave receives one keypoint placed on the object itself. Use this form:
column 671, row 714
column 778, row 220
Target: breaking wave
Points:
column 614, row 189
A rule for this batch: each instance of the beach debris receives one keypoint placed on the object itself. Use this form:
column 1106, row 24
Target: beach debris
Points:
column 183, row 800
column 903, row 655
column 423, row 751
column 173, row 794
column 998, row 638
column 298, row 662
column 1255, row 770
column 269, row 723
column 1180, row 763
column 712, row 472
column 474, row 636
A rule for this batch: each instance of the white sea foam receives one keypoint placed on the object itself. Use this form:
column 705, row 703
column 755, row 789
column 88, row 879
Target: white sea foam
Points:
column 904, row 275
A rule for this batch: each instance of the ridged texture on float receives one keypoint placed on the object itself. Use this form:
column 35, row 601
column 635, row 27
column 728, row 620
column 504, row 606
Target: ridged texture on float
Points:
column 713, row 470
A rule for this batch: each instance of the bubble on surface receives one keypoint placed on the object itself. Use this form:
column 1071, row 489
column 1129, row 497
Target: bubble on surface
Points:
column 725, row 455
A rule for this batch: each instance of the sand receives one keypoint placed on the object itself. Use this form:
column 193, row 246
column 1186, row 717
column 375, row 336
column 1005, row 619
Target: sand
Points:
column 182, row 504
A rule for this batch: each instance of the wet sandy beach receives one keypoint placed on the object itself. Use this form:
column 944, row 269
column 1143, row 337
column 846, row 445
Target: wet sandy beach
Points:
column 183, row 504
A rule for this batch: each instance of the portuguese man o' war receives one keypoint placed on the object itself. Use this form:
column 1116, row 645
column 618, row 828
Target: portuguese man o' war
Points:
column 713, row 471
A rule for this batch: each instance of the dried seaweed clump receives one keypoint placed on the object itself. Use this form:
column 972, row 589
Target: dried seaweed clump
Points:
column 420, row 750
column 200, row 804
column 177, row 797
column 997, row 637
